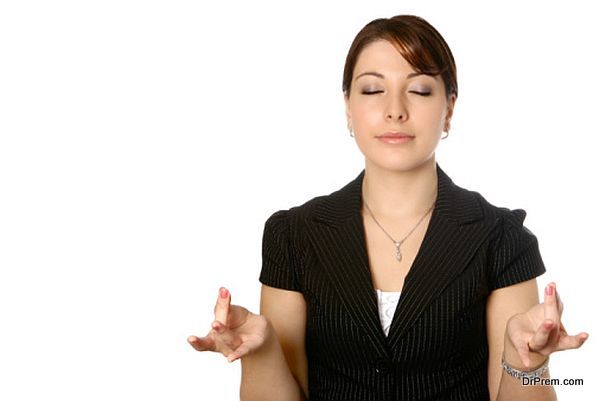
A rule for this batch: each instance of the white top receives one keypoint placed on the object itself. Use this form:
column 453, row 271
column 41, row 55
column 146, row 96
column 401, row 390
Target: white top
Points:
column 387, row 302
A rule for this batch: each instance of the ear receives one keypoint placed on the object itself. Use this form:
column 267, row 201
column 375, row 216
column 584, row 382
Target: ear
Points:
column 450, row 109
column 347, row 107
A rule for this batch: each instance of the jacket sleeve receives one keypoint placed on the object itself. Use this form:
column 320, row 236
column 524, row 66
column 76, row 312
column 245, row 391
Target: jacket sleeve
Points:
column 278, row 267
column 516, row 256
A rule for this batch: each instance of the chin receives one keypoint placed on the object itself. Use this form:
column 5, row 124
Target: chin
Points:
column 400, row 163
column 394, row 165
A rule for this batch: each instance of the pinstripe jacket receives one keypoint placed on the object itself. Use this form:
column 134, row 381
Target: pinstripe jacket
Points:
column 436, row 348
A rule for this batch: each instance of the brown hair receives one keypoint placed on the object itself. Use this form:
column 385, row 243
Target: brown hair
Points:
column 419, row 43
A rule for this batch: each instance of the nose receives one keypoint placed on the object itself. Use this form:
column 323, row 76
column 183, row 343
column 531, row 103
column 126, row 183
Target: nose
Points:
column 395, row 109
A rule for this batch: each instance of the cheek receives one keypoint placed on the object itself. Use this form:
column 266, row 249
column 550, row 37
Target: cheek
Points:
column 366, row 117
column 430, row 116
column 363, row 108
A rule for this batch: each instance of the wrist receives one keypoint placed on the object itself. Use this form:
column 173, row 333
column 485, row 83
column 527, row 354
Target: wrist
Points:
column 526, row 375
column 270, row 335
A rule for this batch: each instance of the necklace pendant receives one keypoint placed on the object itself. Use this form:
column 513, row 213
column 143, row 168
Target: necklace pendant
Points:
column 398, row 254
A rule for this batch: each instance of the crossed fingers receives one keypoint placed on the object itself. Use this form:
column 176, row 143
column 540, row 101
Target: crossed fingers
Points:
column 551, row 335
column 219, row 327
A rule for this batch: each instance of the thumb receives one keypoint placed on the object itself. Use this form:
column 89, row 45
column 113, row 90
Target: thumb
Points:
column 202, row 343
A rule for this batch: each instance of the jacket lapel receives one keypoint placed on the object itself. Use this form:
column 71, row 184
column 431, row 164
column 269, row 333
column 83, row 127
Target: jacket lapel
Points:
column 341, row 250
column 455, row 231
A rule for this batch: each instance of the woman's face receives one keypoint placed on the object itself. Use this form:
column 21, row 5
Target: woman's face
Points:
column 396, row 102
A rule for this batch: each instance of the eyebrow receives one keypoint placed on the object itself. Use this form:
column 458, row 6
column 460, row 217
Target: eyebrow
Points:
column 379, row 75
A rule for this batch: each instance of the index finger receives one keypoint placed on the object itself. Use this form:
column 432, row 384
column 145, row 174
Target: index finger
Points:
column 222, row 306
column 551, row 304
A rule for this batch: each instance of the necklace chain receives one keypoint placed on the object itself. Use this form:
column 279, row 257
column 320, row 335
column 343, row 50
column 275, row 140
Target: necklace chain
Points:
column 398, row 254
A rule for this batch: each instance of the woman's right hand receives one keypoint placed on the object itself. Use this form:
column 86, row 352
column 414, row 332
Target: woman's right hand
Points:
column 235, row 332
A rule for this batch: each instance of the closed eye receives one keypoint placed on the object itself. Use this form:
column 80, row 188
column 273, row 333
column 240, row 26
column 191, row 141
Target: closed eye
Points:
column 415, row 92
column 421, row 93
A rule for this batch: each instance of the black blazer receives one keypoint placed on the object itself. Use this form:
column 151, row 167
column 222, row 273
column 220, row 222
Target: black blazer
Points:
column 437, row 347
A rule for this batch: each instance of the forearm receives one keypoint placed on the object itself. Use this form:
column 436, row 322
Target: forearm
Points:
column 267, row 376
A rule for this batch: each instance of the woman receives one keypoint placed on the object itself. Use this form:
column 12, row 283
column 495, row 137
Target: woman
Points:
column 400, row 285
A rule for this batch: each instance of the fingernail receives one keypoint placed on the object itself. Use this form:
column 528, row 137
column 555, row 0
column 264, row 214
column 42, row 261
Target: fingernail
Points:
column 549, row 290
column 223, row 292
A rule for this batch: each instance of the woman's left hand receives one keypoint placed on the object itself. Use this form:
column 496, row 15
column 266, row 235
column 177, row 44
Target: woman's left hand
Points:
column 531, row 336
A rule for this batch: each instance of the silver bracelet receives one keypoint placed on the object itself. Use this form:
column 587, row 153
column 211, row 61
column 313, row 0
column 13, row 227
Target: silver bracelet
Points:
column 520, row 374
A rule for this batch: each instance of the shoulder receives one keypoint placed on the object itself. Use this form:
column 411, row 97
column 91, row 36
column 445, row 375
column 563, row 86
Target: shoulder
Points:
column 294, row 218
column 509, row 235
column 512, row 217
column 502, row 215
column 507, row 223
column 507, row 218
column 335, row 204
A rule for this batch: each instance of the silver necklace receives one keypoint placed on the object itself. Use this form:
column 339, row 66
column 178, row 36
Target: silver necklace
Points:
column 398, row 254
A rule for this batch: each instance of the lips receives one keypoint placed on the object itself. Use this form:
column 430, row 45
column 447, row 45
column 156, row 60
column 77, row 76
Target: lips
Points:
column 395, row 138
column 395, row 135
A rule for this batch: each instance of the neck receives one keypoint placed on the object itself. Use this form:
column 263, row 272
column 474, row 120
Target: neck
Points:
column 400, row 194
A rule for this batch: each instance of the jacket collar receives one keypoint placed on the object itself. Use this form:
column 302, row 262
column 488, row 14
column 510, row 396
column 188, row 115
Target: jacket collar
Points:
column 455, row 231
column 453, row 202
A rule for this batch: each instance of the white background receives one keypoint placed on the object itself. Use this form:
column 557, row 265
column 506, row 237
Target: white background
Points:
column 143, row 144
